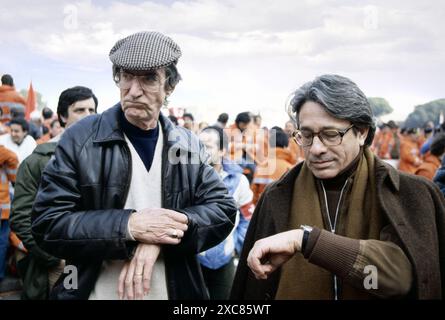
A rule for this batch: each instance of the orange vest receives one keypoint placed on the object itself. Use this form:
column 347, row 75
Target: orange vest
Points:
column 9, row 98
column 384, row 145
column 409, row 156
column 8, row 169
column 271, row 170
column 429, row 166
column 254, row 142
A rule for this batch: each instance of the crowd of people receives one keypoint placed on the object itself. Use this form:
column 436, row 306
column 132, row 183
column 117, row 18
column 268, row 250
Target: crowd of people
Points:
column 417, row 151
column 148, row 206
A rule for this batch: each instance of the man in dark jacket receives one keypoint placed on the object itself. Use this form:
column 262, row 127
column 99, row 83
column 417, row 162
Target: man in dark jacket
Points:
column 38, row 269
column 128, row 200
column 342, row 224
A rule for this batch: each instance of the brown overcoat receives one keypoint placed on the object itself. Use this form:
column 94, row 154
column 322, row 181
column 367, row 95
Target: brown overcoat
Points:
column 413, row 205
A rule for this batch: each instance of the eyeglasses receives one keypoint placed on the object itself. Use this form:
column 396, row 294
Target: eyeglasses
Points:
column 329, row 137
column 150, row 82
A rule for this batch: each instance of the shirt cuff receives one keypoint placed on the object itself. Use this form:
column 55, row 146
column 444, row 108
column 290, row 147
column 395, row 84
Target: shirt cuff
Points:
column 333, row 252
column 128, row 235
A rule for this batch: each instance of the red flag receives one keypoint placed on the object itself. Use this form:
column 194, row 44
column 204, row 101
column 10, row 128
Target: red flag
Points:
column 30, row 102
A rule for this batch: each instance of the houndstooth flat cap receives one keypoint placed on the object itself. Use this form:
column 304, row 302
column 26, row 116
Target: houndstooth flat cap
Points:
column 144, row 51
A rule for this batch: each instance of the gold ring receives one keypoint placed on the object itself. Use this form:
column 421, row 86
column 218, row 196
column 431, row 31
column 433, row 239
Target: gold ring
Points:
column 174, row 234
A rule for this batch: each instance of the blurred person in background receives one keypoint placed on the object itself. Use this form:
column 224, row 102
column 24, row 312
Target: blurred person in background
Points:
column 189, row 122
column 8, row 167
column 222, row 120
column 38, row 269
column 4, row 129
column 409, row 152
column 48, row 117
column 55, row 128
column 256, row 121
column 426, row 134
column 427, row 144
column 383, row 142
column 433, row 159
column 280, row 160
column 218, row 263
column 10, row 99
column 18, row 140
column 36, row 127
column 242, row 145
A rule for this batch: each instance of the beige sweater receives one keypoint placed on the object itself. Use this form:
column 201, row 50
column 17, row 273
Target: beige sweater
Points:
column 145, row 192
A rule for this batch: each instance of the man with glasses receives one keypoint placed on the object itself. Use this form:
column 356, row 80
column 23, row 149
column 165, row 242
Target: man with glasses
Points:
column 343, row 224
column 128, row 200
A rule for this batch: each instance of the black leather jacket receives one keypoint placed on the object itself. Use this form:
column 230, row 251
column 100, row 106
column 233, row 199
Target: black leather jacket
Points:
column 78, row 214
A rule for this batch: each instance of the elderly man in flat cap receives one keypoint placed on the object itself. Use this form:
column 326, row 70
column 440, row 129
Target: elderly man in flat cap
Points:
column 128, row 199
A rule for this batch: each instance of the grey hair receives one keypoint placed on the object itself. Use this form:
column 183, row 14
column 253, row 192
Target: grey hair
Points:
column 340, row 97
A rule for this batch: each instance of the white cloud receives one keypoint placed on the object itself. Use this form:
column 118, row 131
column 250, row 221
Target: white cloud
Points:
column 238, row 54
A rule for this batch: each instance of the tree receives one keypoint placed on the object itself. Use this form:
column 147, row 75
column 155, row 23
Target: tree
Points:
column 40, row 103
column 380, row 106
column 426, row 112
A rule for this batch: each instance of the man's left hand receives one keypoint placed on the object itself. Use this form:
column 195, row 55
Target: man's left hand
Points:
column 135, row 277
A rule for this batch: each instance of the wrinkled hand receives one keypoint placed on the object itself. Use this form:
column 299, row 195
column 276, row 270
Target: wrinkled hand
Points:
column 274, row 251
column 158, row 226
column 135, row 277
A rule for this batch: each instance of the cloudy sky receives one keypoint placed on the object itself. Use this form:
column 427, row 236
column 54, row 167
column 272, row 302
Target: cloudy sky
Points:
column 237, row 55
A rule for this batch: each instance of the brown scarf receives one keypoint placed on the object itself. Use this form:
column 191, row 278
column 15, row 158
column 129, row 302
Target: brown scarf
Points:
column 359, row 220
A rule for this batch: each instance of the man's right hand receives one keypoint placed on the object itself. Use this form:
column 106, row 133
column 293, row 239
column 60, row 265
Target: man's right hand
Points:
column 158, row 226
column 276, row 250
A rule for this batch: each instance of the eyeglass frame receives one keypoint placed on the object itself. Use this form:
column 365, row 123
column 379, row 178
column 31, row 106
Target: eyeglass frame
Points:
column 120, row 71
column 342, row 133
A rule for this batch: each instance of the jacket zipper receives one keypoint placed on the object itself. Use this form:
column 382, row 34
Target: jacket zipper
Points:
column 129, row 175
column 333, row 226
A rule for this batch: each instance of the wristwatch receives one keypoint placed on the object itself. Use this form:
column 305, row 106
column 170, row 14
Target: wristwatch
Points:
column 306, row 232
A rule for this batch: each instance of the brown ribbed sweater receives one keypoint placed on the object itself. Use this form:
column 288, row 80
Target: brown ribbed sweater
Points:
column 346, row 257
